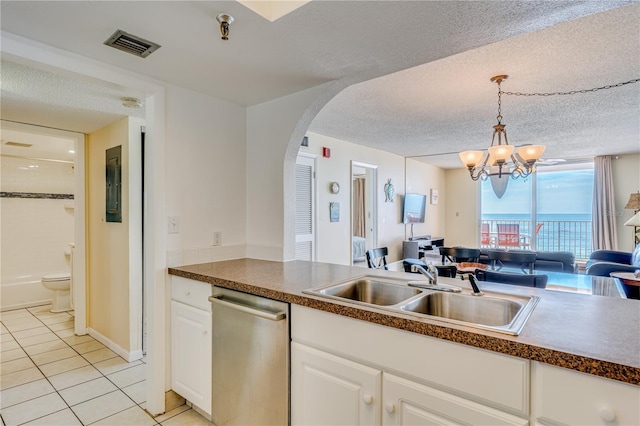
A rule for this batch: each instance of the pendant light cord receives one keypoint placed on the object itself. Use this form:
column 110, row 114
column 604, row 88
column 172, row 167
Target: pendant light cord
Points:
column 572, row 92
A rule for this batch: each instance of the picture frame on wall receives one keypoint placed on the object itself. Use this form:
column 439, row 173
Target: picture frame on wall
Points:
column 434, row 196
column 334, row 212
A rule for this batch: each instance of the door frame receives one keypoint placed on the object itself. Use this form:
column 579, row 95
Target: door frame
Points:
column 371, row 186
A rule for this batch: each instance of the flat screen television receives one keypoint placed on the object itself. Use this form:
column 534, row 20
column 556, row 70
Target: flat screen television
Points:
column 413, row 208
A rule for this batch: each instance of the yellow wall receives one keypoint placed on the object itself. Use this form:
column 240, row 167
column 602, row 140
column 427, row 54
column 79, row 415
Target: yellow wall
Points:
column 462, row 209
column 109, row 308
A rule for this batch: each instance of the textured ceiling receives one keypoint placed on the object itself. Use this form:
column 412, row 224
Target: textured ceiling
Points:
column 436, row 59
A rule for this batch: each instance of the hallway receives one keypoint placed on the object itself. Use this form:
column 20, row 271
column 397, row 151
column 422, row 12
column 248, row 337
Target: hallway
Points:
column 52, row 377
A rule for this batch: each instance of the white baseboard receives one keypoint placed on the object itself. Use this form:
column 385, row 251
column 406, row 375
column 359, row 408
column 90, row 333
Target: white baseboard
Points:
column 26, row 305
column 129, row 356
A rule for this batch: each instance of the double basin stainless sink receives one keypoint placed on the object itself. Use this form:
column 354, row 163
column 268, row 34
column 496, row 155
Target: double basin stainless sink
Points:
column 501, row 312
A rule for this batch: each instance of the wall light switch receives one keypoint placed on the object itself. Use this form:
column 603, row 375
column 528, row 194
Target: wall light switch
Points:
column 173, row 224
column 217, row 238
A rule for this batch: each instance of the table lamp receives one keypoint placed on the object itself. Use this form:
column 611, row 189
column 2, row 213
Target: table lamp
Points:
column 635, row 222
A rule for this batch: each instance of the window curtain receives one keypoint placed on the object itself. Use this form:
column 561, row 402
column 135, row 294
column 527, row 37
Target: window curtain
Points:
column 603, row 226
column 359, row 226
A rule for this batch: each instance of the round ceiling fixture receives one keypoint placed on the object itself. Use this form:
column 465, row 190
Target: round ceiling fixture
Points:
column 131, row 102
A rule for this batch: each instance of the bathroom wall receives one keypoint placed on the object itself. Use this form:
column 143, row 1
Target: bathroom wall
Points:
column 37, row 227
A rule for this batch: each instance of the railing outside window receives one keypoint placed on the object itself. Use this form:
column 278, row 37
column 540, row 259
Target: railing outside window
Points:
column 552, row 235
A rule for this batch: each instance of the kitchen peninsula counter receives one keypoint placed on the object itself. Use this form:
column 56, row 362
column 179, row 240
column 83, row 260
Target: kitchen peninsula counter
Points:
column 592, row 334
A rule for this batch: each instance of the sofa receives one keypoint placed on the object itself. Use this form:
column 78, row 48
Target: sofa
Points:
column 552, row 261
column 603, row 262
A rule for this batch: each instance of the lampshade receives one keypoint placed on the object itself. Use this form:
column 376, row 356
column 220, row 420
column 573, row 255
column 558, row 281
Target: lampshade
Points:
column 634, row 221
column 531, row 152
column 501, row 153
column 634, row 202
column 471, row 158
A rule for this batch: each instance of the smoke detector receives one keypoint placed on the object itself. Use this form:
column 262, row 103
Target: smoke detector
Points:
column 131, row 102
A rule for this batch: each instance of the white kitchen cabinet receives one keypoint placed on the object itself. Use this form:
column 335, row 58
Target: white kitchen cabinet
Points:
column 191, row 328
column 562, row 396
column 330, row 390
column 410, row 403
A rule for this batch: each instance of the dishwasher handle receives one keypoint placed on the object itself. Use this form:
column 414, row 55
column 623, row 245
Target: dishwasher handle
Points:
column 273, row 316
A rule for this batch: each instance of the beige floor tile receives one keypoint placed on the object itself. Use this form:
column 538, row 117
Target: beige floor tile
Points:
column 60, row 418
column 31, row 323
column 99, row 355
column 88, row 390
column 129, row 376
column 18, row 320
column 16, row 365
column 74, row 340
column 6, row 338
column 54, row 355
column 17, row 313
column 137, row 391
column 102, row 407
column 63, row 365
column 74, row 377
column 189, row 417
column 43, row 329
column 114, row 364
column 33, row 409
column 41, row 310
column 62, row 326
column 12, row 354
column 88, row 347
column 22, row 393
column 40, row 338
column 45, row 347
column 166, row 416
column 134, row 416
column 20, row 378
column 67, row 332
column 9, row 346
column 3, row 329
column 57, row 319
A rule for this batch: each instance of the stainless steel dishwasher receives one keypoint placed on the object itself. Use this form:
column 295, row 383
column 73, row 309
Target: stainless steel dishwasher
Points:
column 250, row 367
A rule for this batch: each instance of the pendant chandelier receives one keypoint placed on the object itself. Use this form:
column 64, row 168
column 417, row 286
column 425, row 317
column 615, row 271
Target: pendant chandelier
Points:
column 501, row 162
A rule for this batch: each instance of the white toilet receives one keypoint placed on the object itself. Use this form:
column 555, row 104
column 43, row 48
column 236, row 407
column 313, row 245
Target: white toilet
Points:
column 60, row 284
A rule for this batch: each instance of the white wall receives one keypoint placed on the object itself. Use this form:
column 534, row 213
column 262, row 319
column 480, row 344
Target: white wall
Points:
column 274, row 132
column 334, row 238
column 206, row 176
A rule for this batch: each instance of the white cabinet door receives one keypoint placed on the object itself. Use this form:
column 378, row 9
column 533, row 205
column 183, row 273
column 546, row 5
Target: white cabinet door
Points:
column 191, row 354
column 409, row 403
column 562, row 396
column 329, row 390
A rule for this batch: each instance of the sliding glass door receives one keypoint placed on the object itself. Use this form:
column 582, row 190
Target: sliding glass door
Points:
column 550, row 211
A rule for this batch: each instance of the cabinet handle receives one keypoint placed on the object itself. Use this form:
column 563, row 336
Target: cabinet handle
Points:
column 368, row 399
column 273, row 316
column 390, row 408
column 607, row 414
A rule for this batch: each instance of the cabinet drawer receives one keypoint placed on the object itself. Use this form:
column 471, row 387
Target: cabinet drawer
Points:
column 191, row 292
column 570, row 397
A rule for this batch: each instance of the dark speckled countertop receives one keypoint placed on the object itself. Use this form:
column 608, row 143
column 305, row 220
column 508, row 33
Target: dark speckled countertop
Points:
column 593, row 334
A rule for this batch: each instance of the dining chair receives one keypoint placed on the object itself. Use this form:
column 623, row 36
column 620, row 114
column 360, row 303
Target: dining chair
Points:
column 459, row 254
column 526, row 280
column 525, row 260
column 377, row 258
column 508, row 234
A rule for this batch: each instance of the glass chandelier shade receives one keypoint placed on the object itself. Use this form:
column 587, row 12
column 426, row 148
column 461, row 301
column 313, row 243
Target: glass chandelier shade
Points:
column 501, row 154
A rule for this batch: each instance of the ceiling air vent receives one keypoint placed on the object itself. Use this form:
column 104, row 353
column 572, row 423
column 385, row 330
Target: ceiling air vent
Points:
column 132, row 44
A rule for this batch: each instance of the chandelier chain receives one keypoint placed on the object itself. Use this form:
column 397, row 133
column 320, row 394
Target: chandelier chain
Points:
column 499, row 116
column 572, row 92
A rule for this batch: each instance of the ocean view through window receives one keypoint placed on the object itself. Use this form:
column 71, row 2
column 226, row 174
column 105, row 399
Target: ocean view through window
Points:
column 550, row 211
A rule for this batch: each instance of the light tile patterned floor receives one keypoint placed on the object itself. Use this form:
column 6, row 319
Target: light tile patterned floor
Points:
column 49, row 376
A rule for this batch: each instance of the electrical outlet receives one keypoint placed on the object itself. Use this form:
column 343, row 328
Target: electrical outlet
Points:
column 217, row 238
column 173, row 224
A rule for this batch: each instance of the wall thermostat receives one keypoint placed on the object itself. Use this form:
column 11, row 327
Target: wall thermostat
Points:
column 334, row 187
